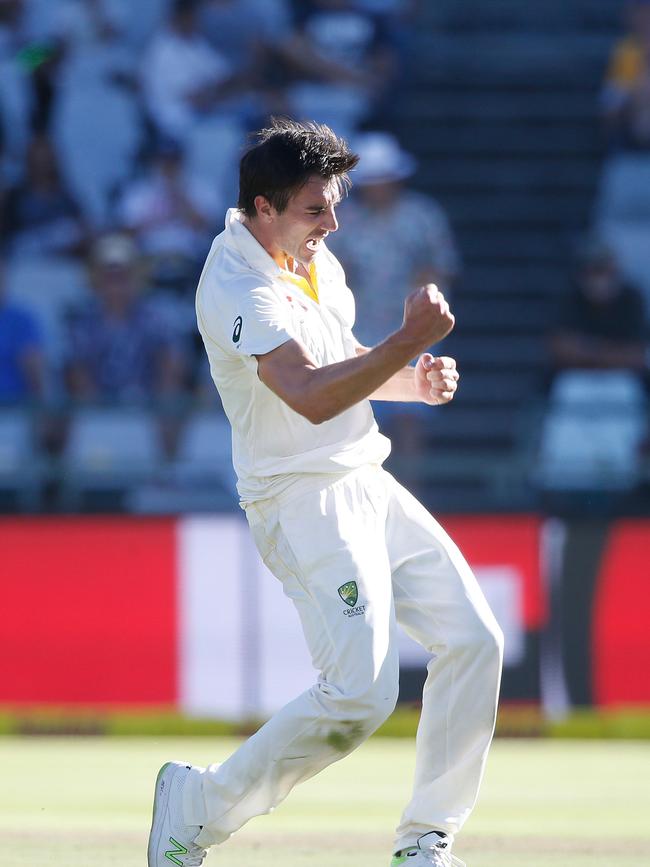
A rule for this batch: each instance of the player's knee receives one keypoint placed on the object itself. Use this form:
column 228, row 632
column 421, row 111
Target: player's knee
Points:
column 485, row 642
column 380, row 702
column 356, row 714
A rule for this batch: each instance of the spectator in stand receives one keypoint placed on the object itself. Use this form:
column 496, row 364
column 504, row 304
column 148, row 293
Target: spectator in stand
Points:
column 623, row 205
column 394, row 240
column 602, row 323
column 421, row 249
column 93, row 36
column 252, row 51
column 22, row 368
column 39, row 216
column 171, row 215
column 16, row 92
column 626, row 93
column 120, row 348
column 346, row 60
column 185, row 80
column 595, row 421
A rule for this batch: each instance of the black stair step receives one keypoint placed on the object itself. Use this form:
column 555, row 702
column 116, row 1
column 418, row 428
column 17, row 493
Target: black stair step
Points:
column 523, row 280
column 513, row 14
column 425, row 106
column 518, row 208
column 480, row 426
column 489, row 225
column 514, row 139
column 512, row 315
column 505, row 388
column 514, row 173
column 525, row 245
column 495, row 59
column 493, row 352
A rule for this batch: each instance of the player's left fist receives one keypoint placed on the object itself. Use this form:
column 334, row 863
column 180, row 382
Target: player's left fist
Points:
column 436, row 379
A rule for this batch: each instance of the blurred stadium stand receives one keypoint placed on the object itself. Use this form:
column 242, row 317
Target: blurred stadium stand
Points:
column 108, row 451
column 501, row 109
column 593, row 431
column 499, row 101
column 21, row 466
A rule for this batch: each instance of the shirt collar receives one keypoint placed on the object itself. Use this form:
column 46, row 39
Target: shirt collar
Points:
column 248, row 246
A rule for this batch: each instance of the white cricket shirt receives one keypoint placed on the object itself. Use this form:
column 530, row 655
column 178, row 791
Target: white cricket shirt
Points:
column 245, row 308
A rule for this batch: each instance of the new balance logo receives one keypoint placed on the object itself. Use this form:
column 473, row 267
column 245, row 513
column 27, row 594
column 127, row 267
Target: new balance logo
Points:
column 172, row 853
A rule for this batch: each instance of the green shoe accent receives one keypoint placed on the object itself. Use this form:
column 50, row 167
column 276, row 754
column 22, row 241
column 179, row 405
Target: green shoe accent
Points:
column 400, row 857
column 172, row 853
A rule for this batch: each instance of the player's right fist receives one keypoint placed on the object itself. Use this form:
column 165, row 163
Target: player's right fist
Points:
column 427, row 318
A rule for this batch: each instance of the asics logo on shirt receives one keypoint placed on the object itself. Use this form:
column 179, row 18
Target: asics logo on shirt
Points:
column 236, row 332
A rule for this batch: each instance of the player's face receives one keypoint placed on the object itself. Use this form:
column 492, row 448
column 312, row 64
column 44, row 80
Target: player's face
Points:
column 307, row 220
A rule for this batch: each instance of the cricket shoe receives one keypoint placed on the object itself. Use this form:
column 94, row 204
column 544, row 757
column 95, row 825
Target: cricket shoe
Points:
column 431, row 849
column 171, row 841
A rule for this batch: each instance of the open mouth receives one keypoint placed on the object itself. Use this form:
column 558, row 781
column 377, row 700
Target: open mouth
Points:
column 314, row 243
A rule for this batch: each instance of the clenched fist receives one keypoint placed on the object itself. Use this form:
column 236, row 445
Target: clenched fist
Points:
column 436, row 379
column 427, row 318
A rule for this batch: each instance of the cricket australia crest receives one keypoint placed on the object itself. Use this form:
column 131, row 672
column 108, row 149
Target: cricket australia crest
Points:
column 349, row 593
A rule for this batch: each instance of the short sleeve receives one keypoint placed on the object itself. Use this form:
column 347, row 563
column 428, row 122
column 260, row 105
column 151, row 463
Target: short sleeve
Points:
column 245, row 320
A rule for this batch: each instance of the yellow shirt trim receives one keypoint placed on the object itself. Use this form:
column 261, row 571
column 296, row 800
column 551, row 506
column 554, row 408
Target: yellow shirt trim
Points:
column 309, row 287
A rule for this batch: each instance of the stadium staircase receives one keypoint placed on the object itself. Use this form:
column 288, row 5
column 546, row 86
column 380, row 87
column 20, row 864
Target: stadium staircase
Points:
column 501, row 107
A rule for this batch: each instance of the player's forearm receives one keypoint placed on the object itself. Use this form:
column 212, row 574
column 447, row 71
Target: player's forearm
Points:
column 337, row 387
column 400, row 387
column 321, row 393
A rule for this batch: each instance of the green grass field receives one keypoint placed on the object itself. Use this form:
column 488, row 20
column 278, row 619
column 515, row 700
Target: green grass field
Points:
column 86, row 802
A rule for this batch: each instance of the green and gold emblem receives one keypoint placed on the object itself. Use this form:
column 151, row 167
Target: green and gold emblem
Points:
column 349, row 593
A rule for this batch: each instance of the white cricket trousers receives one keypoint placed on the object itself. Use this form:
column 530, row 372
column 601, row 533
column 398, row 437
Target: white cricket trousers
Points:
column 365, row 528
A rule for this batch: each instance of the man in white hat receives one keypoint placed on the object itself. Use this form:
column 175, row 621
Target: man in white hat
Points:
column 393, row 240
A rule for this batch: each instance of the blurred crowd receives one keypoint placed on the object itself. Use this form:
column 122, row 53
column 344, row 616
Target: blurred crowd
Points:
column 596, row 432
column 120, row 134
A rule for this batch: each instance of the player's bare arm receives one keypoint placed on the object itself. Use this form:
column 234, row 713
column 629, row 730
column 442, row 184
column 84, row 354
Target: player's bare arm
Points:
column 320, row 393
column 433, row 380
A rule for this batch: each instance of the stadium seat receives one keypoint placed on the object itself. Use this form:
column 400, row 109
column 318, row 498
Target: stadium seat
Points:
column 629, row 240
column 213, row 151
column 623, row 192
column 623, row 215
column 49, row 287
column 109, row 450
column 618, row 390
column 96, row 157
column 150, row 15
column 593, row 431
column 204, row 453
column 200, row 479
column 14, row 115
column 21, row 469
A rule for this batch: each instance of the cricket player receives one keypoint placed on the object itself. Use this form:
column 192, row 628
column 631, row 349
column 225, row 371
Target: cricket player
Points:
column 355, row 552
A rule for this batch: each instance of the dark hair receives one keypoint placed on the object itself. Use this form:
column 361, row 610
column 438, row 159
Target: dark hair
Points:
column 283, row 158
